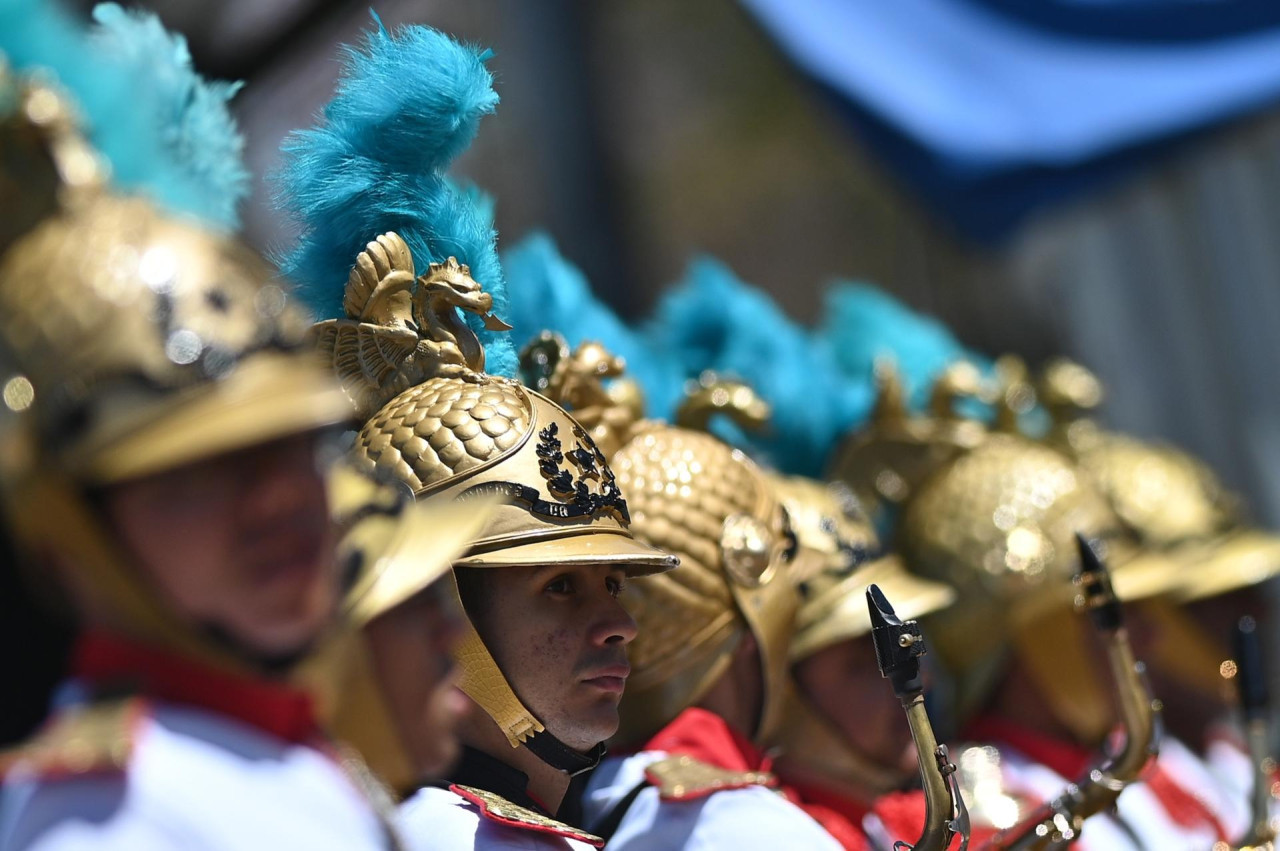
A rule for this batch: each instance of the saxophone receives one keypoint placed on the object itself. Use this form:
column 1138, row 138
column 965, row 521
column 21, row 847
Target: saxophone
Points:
column 1255, row 707
column 899, row 647
column 1058, row 823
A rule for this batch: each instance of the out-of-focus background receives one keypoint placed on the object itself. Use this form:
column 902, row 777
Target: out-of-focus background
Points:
column 1100, row 180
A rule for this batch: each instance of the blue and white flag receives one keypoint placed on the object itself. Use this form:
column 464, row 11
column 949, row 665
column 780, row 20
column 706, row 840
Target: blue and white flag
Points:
column 991, row 108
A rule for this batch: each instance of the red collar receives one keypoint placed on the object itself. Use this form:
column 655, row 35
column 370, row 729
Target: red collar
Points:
column 1068, row 759
column 708, row 738
column 110, row 661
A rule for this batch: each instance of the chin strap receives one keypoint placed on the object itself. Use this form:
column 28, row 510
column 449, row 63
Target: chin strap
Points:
column 561, row 757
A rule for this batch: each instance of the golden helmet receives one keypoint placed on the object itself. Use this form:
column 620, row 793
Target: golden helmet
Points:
column 709, row 504
column 885, row 462
column 1169, row 499
column 997, row 523
column 448, row 431
column 847, row 556
column 840, row 556
column 140, row 342
column 390, row 549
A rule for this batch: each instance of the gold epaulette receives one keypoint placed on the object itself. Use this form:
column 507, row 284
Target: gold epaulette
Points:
column 497, row 808
column 87, row 739
column 683, row 778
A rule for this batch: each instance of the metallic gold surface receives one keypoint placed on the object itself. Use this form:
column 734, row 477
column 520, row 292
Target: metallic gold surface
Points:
column 88, row 739
column 501, row 808
column 839, row 557
column 139, row 342
column 683, row 777
column 150, row 343
column 1058, row 823
column 391, row 548
column 998, row 523
column 888, row 460
column 694, row 496
column 1169, row 499
column 400, row 330
column 846, row 557
column 711, row 395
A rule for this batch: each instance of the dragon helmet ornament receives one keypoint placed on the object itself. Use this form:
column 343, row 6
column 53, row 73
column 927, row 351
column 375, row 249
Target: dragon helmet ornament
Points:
column 434, row 418
column 142, row 337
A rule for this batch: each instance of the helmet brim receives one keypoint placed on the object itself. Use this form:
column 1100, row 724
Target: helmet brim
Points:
column 267, row 397
column 593, row 547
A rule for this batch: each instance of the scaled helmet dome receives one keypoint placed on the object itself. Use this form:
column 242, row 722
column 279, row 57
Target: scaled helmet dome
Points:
column 997, row 524
column 1172, row 501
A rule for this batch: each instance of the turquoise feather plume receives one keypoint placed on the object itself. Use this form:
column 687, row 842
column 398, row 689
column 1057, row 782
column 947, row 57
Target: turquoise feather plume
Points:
column 407, row 104
column 197, row 128
column 713, row 320
column 548, row 293
column 862, row 323
column 165, row 131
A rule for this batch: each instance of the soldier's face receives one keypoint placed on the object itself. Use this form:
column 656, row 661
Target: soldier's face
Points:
column 240, row 543
column 560, row 636
column 411, row 647
column 843, row 682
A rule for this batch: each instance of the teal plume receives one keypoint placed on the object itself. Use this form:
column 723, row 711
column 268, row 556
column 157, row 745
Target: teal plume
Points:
column 164, row 130
column 549, row 293
column 196, row 126
column 712, row 320
column 407, row 104
column 862, row 323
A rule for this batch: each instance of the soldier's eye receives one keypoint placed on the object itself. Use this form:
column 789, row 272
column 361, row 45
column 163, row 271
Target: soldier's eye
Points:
column 560, row 585
column 615, row 585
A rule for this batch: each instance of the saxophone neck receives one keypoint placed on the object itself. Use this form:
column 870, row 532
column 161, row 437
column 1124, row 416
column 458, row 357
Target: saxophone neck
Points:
column 899, row 646
column 1255, row 706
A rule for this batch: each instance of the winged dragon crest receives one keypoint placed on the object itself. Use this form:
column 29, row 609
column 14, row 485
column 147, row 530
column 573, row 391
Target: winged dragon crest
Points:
column 402, row 329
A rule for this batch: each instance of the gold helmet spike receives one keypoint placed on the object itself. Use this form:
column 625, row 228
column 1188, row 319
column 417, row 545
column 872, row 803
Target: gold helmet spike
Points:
column 1169, row 499
column 449, row 431
column 709, row 504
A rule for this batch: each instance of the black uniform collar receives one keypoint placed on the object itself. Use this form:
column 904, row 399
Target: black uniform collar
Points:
column 479, row 769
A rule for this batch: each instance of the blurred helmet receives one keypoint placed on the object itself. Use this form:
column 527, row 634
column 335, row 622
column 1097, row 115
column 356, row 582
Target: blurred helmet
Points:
column 884, row 462
column 141, row 341
column 1169, row 499
column 390, row 549
column 839, row 557
column 997, row 524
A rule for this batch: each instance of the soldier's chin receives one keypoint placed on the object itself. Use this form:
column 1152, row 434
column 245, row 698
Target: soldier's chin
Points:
column 280, row 633
column 589, row 728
